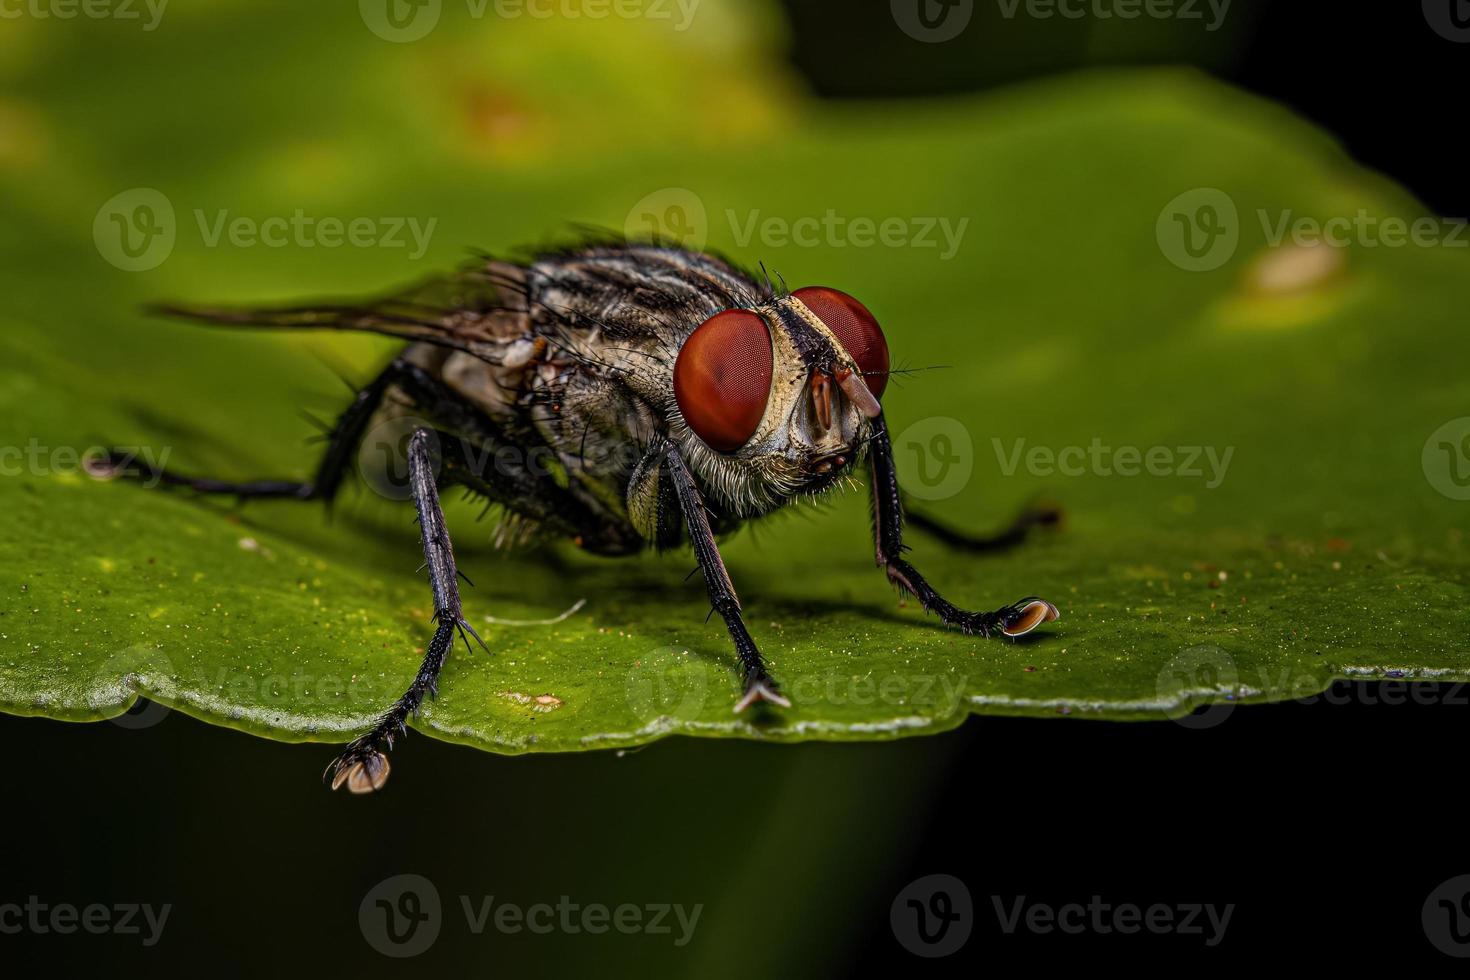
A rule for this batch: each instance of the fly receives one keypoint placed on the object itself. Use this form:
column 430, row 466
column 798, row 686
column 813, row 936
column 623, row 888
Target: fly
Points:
column 676, row 396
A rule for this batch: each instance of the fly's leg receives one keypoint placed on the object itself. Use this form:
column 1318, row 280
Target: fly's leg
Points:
column 1019, row 529
column 1016, row 619
column 363, row 766
column 343, row 440
column 758, row 683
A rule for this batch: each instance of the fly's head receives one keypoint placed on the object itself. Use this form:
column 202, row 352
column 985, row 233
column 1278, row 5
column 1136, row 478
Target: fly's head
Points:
column 777, row 401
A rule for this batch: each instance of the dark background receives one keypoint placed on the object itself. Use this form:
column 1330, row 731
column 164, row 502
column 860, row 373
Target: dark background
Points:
column 1326, row 824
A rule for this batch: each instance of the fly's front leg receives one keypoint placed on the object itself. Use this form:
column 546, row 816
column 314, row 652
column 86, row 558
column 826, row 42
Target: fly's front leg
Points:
column 363, row 766
column 1016, row 619
column 759, row 685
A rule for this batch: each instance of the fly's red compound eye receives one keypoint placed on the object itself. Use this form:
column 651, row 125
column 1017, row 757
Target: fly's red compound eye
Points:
column 722, row 378
column 855, row 327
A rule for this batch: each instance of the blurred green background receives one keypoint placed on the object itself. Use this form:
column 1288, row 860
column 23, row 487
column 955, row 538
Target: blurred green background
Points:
column 1061, row 314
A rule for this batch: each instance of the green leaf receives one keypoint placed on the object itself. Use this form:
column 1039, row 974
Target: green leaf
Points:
column 1303, row 523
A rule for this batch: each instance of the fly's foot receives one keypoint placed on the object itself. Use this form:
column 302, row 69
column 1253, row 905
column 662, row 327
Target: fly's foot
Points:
column 1017, row 619
column 1024, row 615
column 361, row 768
column 111, row 465
column 760, row 686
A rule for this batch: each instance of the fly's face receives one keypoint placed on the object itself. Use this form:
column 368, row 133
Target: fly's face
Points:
column 779, row 398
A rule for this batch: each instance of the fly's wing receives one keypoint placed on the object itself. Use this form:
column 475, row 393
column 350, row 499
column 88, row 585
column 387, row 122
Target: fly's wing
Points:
column 475, row 310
